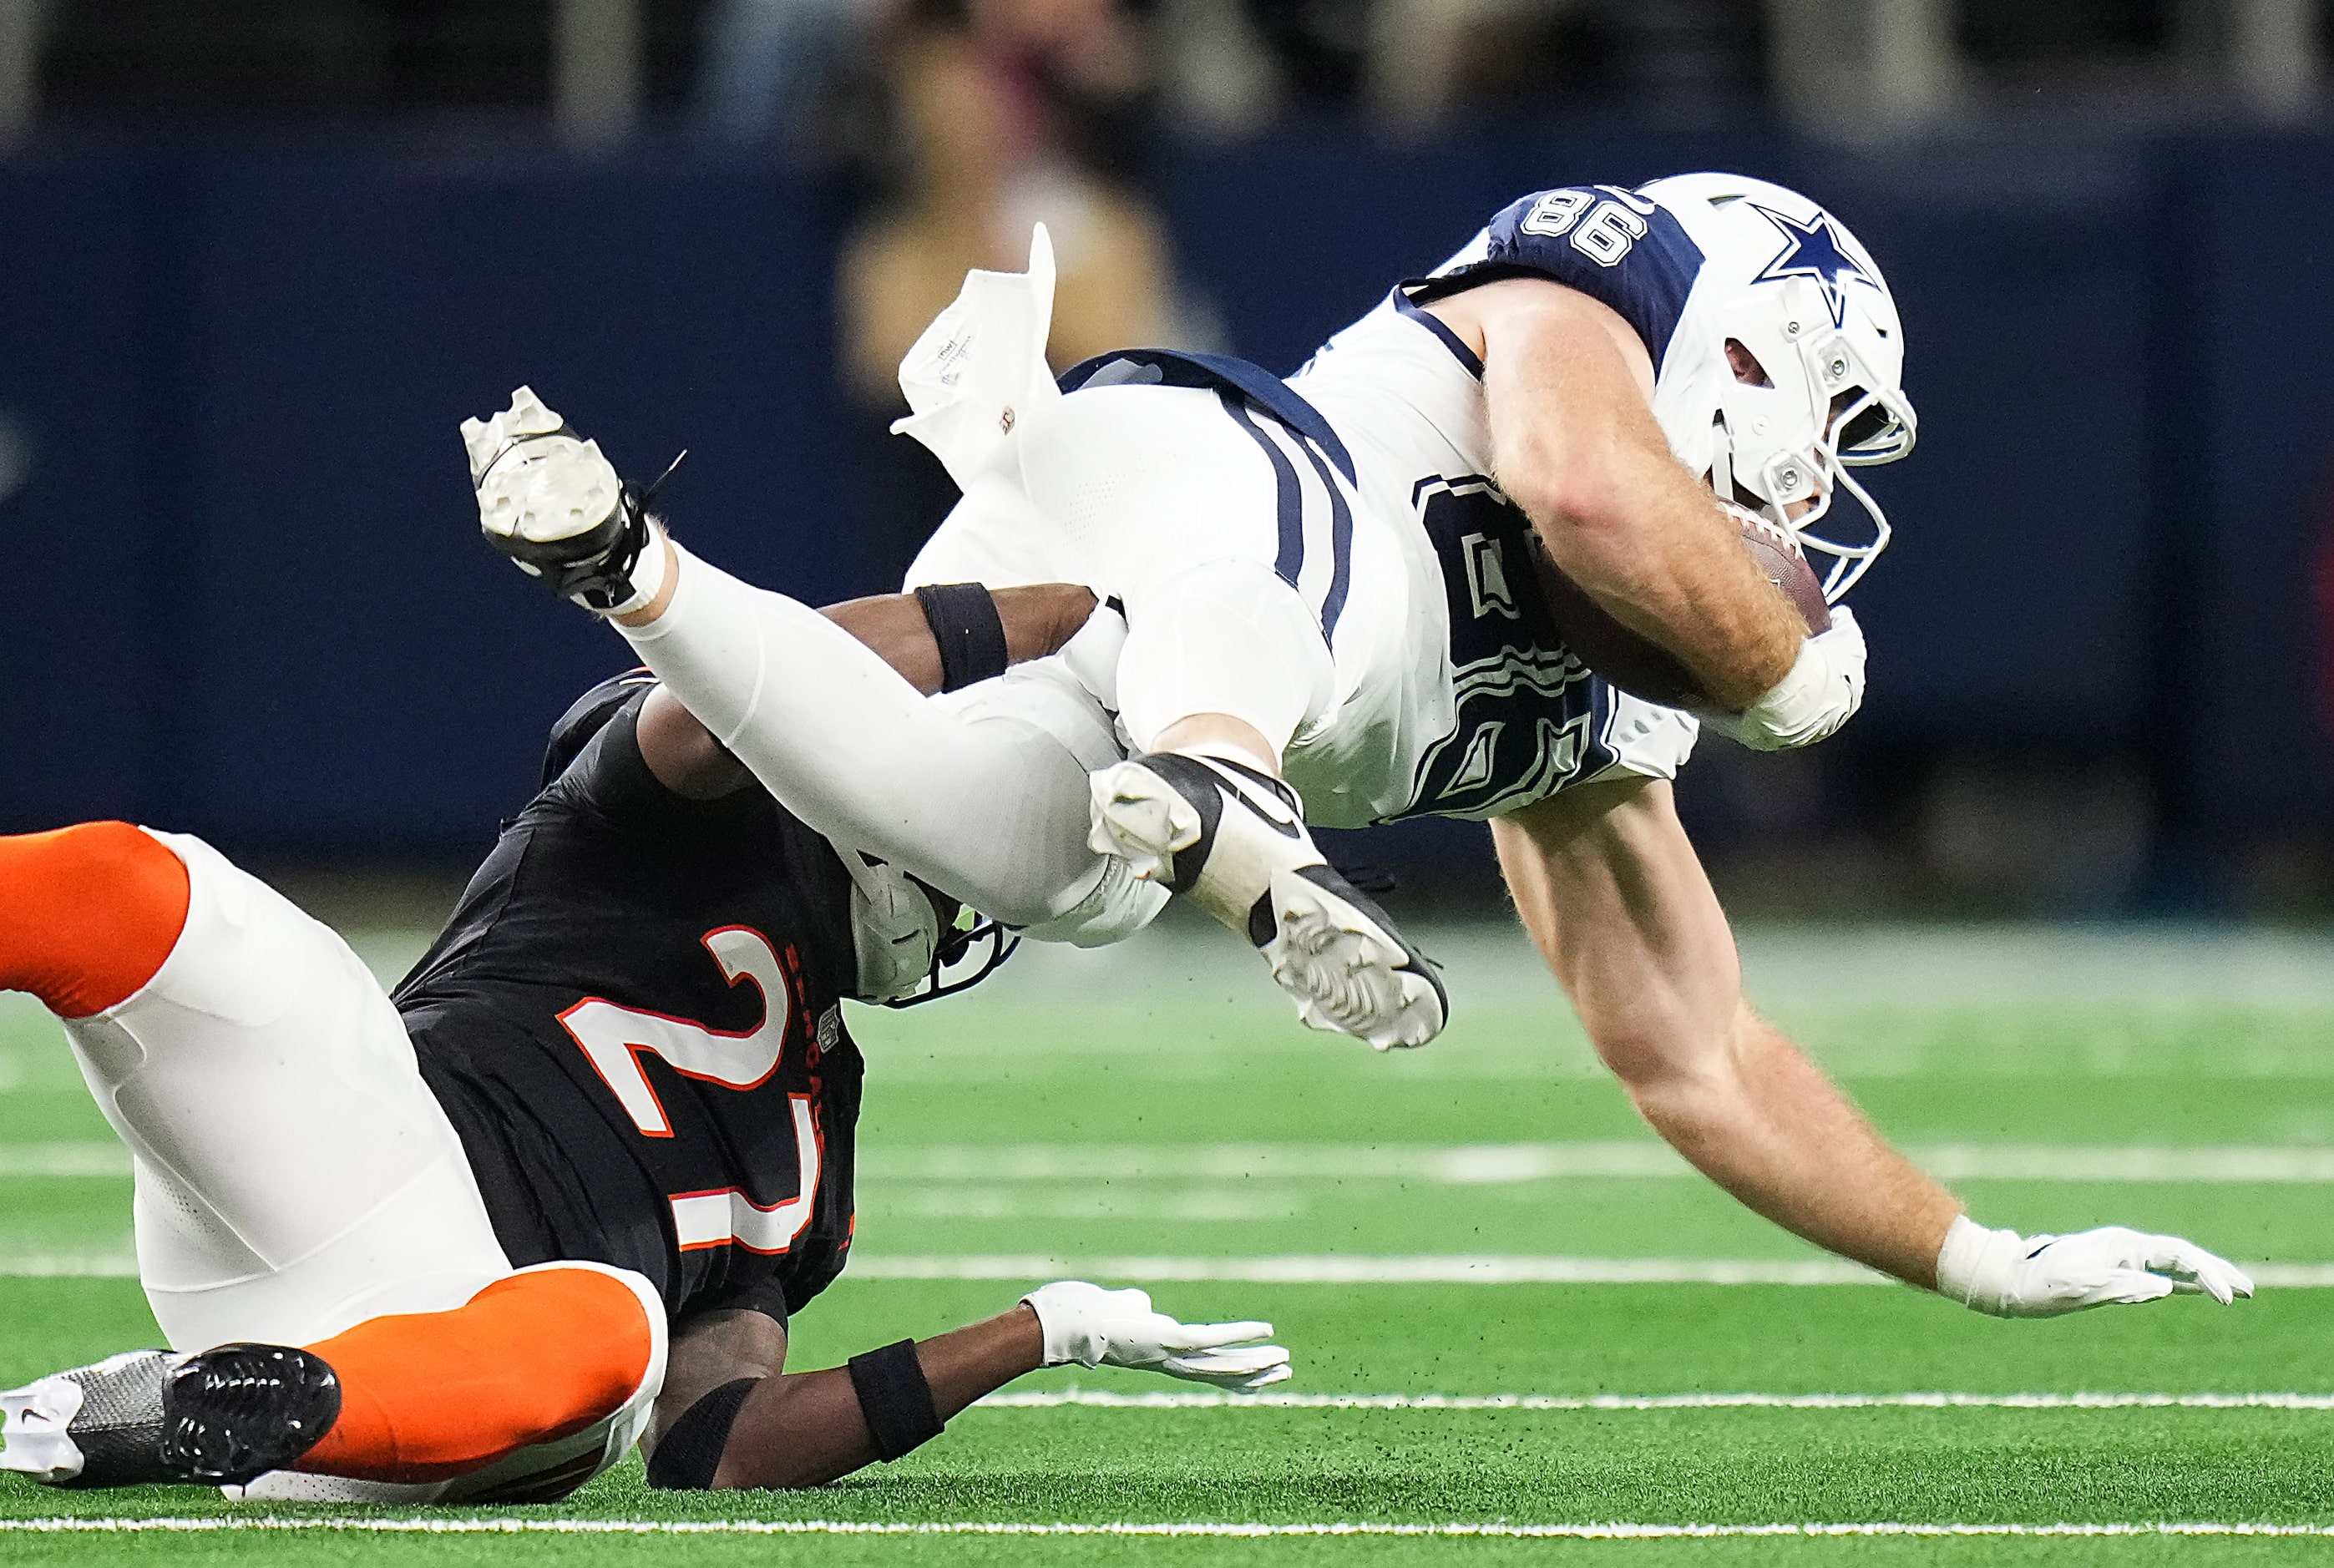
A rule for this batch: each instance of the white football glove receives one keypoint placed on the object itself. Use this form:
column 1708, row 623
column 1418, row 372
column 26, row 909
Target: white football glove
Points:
column 1823, row 690
column 2008, row 1275
column 1116, row 1328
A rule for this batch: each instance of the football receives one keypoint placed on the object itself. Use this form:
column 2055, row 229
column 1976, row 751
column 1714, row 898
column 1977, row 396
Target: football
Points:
column 1642, row 667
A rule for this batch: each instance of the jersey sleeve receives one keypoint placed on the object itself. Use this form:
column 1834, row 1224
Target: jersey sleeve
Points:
column 1608, row 241
column 610, row 778
column 586, row 717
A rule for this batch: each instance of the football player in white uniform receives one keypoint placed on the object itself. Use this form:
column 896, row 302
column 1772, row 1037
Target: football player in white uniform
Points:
column 1332, row 615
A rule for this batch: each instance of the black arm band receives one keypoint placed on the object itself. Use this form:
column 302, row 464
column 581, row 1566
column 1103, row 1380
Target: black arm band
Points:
column 687, row 1455
column 895, row 1398
column 971, row 634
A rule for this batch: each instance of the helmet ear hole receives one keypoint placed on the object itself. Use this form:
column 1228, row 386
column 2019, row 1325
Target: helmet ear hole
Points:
column 1745, row 365
column 1865, row 425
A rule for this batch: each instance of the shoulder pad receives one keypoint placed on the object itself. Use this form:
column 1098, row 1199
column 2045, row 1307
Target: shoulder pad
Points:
column 587, row 718
column 1608, row 241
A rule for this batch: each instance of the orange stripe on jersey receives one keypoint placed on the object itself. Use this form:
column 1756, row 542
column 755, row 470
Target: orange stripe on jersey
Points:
column 532, row 1358
column 87, row 914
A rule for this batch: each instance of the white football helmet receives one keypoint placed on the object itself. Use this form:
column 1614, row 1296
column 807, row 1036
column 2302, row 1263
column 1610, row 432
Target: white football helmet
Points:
column 895, row 929
column 1815, row 387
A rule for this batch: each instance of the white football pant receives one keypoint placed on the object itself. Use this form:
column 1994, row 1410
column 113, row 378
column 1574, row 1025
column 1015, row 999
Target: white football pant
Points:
column 293, row 1173
column 1256, row 583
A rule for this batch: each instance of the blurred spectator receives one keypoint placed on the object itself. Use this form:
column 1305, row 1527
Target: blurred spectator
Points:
column 1670, row 57
column 1321, row 47
column 242, row 59
column 768, row 63
column 1009, row 112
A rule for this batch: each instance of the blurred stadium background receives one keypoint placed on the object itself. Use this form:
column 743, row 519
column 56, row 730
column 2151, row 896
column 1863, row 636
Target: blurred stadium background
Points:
column 258, row 257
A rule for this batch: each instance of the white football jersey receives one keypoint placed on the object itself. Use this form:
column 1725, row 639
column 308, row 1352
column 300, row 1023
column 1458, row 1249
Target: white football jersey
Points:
column 1370, row 493
column 1497, row 712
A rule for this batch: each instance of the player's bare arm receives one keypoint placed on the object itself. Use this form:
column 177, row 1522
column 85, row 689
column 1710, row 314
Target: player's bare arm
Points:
column 710, row 1350
column 731, row 1418
column 1038, row 618
column 1617, row 902
column 1038, row 621
column 1568, row 387
column 806, row 1428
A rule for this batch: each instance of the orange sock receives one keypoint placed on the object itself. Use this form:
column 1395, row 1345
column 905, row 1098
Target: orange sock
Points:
column 532, row 1358
column 87, row 914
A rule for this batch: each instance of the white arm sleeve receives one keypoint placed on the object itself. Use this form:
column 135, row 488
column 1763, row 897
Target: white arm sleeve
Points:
column 984, row 801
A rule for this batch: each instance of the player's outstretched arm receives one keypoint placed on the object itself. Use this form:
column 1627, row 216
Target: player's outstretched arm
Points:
column 1037, row 620
column 1616, row 900
column 737, row 1422
column 1568, row 389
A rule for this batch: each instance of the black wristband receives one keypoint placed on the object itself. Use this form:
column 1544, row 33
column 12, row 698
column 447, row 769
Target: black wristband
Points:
column 971, row 634
column 895, row 1398
column 689, row 1454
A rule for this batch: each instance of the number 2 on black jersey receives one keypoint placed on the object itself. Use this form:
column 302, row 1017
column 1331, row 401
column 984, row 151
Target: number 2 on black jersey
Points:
column 613, row 1039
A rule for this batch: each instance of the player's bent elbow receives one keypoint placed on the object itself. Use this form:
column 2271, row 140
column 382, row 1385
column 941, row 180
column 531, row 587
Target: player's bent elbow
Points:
column 1578, row 502
column 774, row 1481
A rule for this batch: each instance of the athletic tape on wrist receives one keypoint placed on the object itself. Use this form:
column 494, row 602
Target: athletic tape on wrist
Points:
column 971, row 634
column 687, row 1457
column 895, row 1398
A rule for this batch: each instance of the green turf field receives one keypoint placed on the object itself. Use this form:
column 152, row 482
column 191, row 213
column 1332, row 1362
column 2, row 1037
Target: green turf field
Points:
column 1486, row 1221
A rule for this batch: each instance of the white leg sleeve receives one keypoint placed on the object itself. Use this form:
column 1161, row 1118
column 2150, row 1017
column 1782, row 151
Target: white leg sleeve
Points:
column 991, row 810
column 295, row 1175
column 1228, row 637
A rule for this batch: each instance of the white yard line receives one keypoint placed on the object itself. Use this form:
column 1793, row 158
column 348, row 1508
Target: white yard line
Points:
column 1893, row 966
column 1489, row 1164
column 121, row 1264
column 1097, row 1398
column 1337, row 1269
column 1480, row 1269
column 1453, row 1164
column 94, row 1157
column 1205, row 1528
column 1328, row 1269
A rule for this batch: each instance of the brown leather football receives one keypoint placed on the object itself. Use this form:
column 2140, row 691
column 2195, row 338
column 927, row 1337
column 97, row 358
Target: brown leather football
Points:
column 1642, row 667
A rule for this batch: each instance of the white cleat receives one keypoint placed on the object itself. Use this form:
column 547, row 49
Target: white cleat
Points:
column 1232, row 841
column 95, row 1425
column 551, row 502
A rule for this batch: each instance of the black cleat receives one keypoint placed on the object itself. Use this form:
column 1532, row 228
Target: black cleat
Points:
column 236, row 1412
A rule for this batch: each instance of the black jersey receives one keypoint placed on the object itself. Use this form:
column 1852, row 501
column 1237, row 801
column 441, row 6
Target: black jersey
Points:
column 633, row 1022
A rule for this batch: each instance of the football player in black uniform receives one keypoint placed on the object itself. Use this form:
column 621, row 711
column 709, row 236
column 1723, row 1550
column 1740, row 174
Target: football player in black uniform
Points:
column 566, row 1192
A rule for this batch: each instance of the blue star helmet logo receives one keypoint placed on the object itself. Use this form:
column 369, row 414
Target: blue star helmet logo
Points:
column 1812, row 250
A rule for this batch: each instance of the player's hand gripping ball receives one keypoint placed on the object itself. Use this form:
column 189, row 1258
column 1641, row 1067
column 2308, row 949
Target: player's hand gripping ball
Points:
column 1635, row 663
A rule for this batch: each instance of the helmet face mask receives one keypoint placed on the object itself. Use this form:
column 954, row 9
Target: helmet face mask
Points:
column 1785, row 368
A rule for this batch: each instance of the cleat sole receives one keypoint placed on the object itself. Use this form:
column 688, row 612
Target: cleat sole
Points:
column 236, row 1413
column 1346, row 970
